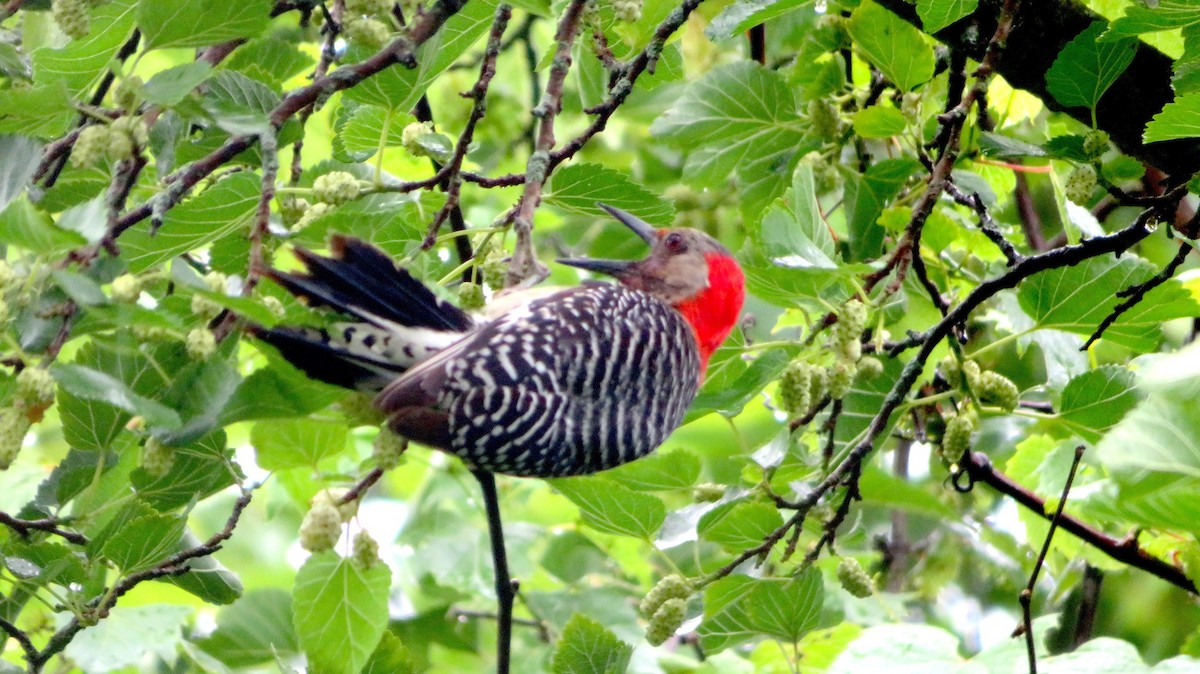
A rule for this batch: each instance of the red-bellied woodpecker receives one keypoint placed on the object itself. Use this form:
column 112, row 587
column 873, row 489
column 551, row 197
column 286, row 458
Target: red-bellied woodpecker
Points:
column 547, row 382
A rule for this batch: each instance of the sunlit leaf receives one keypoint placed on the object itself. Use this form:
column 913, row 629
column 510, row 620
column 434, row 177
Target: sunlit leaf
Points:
column 340, row 611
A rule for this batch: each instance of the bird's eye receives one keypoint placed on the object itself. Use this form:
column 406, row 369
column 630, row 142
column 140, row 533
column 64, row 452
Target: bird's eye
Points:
column 675, row 243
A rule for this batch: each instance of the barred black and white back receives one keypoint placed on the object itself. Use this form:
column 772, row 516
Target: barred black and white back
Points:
column 578, row 382
column 547, row 384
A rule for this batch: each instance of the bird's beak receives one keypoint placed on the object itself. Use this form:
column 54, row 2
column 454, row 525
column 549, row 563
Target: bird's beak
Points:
column 640, row 227
column 616, row 268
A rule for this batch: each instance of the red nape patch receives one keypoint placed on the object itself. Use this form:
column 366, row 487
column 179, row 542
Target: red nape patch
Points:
column 713, row 313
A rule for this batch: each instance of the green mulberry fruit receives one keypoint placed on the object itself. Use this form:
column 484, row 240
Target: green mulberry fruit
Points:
column 956, row 439
column 1080, row 185
column 71, row 17
column 157, row 458
column 411, row 136
column 321, row 528
column 628, row 11
column 335, row 188
column 90, row 146
column 126, row 288
column 870, row 368
column 673, row 586
column 201, row 343
column 1095, row 144
column 854, row 579
column 795, row 388
column 367, row 32
column 841, row 378
column 35, row 387
column 470, row 296
column 365, row 550
column 333, row 497
column 665, row 621
column 389, row 448
column 14, row 424
column 996, row 389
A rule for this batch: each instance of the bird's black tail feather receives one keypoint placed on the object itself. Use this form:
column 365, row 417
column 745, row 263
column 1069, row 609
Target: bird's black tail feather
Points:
column 400, row 321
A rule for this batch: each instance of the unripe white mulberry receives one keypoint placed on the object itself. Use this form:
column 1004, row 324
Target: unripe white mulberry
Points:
column 120, row 145
column 841, row 378
column 90, row 146
column 956, row 439
column 14, row 424
column 493, row 270
column 335, row 188
column 321, row 528
column 127, row 92
column 996, row 389
column 333, row 498
column 157, row 458
column 366, row 32
column 71, row 17
column 388, row 449
column 665, row 621
column 292, row 209
column 366, row 550
column 126, row 288
column 854, row 579
column 311, row 215
column 1080, row 185
column 870, row 368
column 35, row 387
column 627, row 10
column 847, row 333
column 201, row 343
column 795, row 388
column 216, row 281
column 1095, row 144
column 708, row 492
column 412, row 134
column 134, row 129
column 823, row 120
column 470, row 296
column 673, row 586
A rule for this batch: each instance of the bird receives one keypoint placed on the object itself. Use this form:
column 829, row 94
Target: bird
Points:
column 545, row 382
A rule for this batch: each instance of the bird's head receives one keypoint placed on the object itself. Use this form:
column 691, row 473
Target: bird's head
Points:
column 686, row 269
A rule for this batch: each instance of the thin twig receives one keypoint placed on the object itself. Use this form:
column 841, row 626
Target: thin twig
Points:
column 525, row 266
column 1135, row 294
column 1027, row 594
column 48, row 525
column 979, row 468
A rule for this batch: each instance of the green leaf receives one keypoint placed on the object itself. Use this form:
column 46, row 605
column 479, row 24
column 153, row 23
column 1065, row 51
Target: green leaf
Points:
column 144, row 542
column 364, row 129
column 278, row 391
column 127, row 634
column 80, row 288
column 198, row 470
column 885, row 489
column 206, row 578
column 579, row 187
column 239, row 104
column 739, row 525
column 727, row 613
column 43, row 111
column 892, row 45
column 170, row 86
column 270, row 59
column 739, row 118
column 199, row 23
column 390, row 657
column 1162, row 15
column 295, row 443
column 1160, row 435
column 222, row 209
column 787, row 609
column 743, row 15
column 1179, row 119
column 1076, row 299
column 254, row 629
column 81, row 63
column 19, row 158
column 937, row 14
column 737, row 386
column 1006, row 147
column 895, row 648
column 339, row 611
column 400, row 88
column 608, row 507
column 862, row 403
column 879, row 121
column 1095, row 401
column 199, row 392
column 396, row 223
column 89, row 384
column 661, row 471
column 1086, row 68
column 586, row 647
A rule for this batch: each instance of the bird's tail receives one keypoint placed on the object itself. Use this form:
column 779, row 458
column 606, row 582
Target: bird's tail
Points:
column 397, row 321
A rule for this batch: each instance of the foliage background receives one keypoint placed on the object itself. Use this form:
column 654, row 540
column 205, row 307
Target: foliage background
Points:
column 844, row 149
